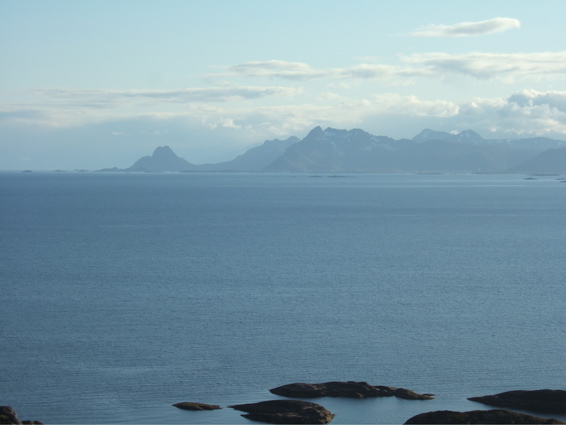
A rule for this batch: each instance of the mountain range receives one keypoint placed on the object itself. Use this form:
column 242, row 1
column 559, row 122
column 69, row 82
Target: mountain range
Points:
column 335, row 151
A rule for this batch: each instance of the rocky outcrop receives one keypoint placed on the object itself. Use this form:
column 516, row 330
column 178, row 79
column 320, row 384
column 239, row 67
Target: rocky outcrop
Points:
column 285, row 412
column 350, row 389
column 9, row 416
column 553, row 401
column 189, row 405
column 478, row 417
column 410, row 395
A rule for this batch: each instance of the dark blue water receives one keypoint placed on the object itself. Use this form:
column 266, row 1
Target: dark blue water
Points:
column 124, row 294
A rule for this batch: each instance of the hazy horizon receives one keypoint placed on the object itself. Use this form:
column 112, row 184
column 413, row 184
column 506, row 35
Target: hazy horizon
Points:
column 98, row 84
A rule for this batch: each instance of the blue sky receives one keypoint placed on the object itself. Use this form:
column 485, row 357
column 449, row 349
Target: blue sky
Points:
column 94, row 84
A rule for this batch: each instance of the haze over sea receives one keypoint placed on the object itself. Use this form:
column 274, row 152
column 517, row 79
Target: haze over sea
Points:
column 125, row 293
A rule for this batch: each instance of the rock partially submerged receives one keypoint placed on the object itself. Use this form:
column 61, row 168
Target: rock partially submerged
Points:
column 350, row 389
column 553, row 401
column 9, row 416
column 189, row 405
column 285, row 412
column 478, row 417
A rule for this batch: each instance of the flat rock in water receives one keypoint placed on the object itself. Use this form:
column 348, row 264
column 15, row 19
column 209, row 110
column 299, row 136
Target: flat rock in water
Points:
column 553, row 401
column 189, row 405
column 478, row 417
column 285, row 412
column 350, row 389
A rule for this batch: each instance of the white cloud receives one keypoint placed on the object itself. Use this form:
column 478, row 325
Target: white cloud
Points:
column 302, row 71
column 489, row 66
column 468, row 29
column 378, row 71
column 523, row 113
column 505, row 67
column 103, row 98
column 533, row 98
column 276, row 69
column 396, row 104
column 221, row 122
column 61, row 107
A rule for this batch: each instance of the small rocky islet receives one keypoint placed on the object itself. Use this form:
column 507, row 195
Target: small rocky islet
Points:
column 349, row 389
column 285, row 412
column 190, row 405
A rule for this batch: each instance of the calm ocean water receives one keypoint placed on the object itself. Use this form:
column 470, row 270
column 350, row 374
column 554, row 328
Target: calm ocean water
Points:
column 123, row 294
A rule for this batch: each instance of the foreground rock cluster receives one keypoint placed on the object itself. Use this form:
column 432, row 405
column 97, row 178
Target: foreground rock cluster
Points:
column 302, row 412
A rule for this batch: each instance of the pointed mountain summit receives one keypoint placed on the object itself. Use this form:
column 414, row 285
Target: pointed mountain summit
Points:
column 163, row 159
column 315, row 133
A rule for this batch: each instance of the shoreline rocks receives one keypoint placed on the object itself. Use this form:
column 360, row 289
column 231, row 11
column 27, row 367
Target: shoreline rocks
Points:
column 552, row 401
column 349, row 389
column 285, row 412
column 9, row 416
column 478, row 417
column 189, row 405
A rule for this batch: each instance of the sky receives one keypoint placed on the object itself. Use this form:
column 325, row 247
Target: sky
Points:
column 96, row 84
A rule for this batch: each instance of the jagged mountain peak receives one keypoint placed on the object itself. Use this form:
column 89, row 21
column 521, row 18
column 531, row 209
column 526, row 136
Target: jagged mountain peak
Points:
column 329, row 133
column 464, row 136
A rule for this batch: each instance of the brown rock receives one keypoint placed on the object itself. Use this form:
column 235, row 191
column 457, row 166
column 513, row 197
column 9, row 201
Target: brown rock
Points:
column 553, row 401
column 285, row 412
column 8, row 416
column 350, row 389
column 478, row 417
column 411, row 395
column 189, row 405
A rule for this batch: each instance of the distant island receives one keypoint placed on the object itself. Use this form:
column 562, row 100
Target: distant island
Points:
column 356, row 151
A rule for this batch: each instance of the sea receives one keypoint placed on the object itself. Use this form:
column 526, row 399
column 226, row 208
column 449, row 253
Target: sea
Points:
column 122, row 294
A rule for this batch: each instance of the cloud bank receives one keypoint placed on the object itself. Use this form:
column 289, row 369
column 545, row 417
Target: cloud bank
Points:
column 506, row 67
